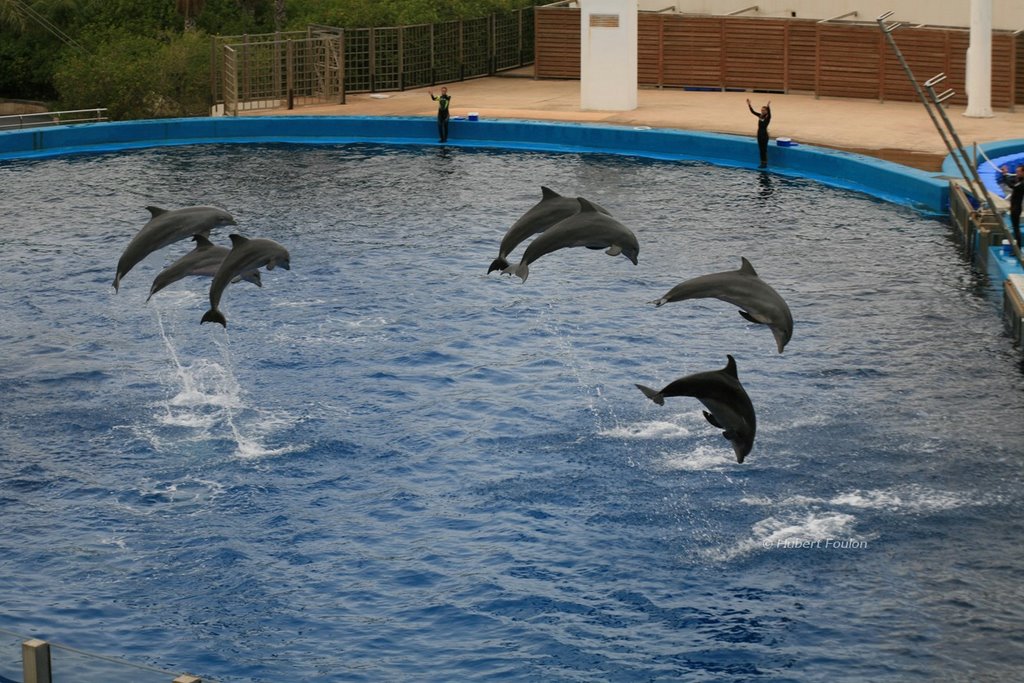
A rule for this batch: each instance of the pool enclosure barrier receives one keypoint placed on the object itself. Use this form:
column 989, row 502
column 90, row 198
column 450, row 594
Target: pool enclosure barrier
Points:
column 323, row 63
column 52, row 118
column 38, row 667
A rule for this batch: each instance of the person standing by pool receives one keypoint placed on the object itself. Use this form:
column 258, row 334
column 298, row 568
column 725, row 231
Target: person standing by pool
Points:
column 763, row 119
column 442, row 113
column 1015, row 193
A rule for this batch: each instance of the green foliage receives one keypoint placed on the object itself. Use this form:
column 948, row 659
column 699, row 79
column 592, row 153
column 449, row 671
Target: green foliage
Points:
column 135, row 57
column 137, row 77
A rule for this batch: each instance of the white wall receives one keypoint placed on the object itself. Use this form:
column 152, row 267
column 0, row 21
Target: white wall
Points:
column 608, row 55
column 1006, row 14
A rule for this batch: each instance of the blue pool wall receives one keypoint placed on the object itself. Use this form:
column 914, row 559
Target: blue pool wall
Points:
column 925, row 192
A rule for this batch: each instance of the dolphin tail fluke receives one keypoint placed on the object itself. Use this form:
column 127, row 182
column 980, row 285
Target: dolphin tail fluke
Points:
column 652, row 394
column 498, row 264
column 214, row 316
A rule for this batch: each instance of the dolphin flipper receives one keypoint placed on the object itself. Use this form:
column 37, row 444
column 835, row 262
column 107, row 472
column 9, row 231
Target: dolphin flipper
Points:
column 749, row 318
column 711, row 418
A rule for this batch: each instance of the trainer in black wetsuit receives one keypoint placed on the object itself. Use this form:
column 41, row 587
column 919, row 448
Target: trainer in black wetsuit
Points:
column 764, row 117
column 1015, row 193
column 442, row 113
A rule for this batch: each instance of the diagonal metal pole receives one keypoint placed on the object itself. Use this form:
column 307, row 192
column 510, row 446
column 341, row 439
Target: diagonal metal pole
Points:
column 887, row 31
column 938, row 100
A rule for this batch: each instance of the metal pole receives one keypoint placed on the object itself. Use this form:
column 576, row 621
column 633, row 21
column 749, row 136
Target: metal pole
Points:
column 887, row 30
column 938, row 99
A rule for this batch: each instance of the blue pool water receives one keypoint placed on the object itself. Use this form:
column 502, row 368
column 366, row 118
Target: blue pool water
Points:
column 392, row 466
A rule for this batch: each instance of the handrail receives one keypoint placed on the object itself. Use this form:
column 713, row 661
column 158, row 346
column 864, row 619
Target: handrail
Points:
column 52, row 118
column 742, row 11
column 836, row 18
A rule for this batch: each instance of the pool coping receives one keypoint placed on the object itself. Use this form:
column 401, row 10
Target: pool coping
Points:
column 925, row 192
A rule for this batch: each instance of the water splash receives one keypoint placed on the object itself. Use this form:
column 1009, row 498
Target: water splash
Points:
column 211, row 403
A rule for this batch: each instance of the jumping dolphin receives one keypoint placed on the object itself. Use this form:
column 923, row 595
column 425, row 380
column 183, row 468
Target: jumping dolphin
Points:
column 551, row 209
column 167, row 227
column 204, row 260
column 721, row 392
column 759, row 303
column 245, row 255
column 588, row 228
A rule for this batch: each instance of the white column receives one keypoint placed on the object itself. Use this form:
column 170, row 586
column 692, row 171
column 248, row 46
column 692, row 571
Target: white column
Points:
column 979, row 61
column 608, row 55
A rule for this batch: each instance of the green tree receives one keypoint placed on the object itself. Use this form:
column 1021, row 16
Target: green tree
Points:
column 136, row 77
column 189, row 10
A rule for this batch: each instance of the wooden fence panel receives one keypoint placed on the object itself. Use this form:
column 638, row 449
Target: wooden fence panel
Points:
column 956, row 66
column 849, row 61
column 927, row 53
column 557, row 43
column 755, row 54
column 692, row 51
column 1019, row 68
column 802, row 57
column 1003, row 78
column 649, row 49
column 838, row 59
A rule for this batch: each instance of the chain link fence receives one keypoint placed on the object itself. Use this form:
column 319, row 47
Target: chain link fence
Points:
column 323, row 63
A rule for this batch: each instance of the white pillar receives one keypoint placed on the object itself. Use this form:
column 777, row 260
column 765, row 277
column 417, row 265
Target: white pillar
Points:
column 608, row 55
column 979, row 61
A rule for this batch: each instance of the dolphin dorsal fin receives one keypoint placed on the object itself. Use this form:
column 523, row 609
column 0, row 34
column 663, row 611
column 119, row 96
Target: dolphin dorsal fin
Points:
column 237, row 240
column 155, row 211
column 201, row 242
column 730, row 367
column 586, row 206
column 548, row 193
column 746, row 267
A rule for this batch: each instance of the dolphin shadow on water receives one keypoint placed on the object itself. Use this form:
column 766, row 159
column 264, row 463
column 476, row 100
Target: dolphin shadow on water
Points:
column 204, row 260
column 167, row 227
column 589, row 228
column 247, row 254
column 758, row 302
column 551, row 209
column 722, row 394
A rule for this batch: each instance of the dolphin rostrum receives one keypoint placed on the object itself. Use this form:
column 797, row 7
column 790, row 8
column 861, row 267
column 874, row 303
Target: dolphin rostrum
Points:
column 551, row 209
column 167, row 227
column 588, row 228
column 204, row 260
column 721, row 393
column 245, row 255
column 758, row 302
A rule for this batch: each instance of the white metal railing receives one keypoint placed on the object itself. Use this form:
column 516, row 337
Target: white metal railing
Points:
column 52, row 118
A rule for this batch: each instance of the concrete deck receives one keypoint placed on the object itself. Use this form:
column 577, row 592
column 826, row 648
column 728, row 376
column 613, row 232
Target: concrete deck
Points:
column 896, row 131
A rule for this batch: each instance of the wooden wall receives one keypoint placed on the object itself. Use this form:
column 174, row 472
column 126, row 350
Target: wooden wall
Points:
column 785, row 55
